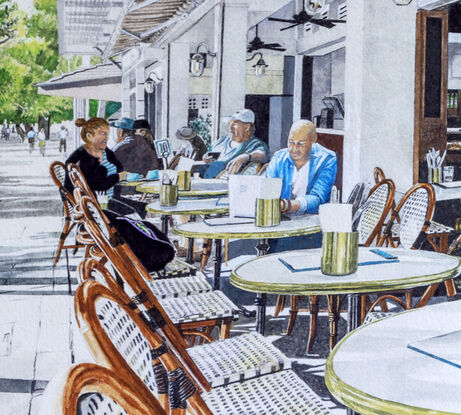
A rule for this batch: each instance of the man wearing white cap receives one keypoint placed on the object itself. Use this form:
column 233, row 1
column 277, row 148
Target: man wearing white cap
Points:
column 238, row 147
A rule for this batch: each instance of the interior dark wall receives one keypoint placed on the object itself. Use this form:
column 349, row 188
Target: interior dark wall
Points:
column 149, row 109
column 306, row 95
column 454, row 18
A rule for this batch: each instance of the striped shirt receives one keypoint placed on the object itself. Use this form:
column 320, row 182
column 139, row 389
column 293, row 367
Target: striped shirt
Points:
column 111, row 169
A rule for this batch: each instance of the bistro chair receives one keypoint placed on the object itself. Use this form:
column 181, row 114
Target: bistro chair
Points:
column 370, row 217
column 210, row 309
column 221, row 362
column 89, row 389
column 122, row 341
column 407, row 228
column 58, row 174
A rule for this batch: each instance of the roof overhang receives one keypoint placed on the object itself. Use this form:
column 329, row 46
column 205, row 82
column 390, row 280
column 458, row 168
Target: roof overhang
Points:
column 102, row 82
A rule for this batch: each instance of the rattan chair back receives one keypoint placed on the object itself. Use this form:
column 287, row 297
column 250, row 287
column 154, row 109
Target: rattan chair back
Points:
column 375, row 211
column 89, row 389
column 378, row 174
column 121, row 340
column 413, row 215
column 263, row 169
column 134, row 275
column 78, row 180
column 251, row 169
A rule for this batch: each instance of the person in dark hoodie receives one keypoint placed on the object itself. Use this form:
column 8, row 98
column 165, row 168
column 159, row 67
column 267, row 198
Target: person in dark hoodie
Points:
column 134, row 151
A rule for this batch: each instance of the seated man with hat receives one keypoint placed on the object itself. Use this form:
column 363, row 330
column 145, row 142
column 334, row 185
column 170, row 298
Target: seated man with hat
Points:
column 192, row 145
column 134, row 151
column 237, row 148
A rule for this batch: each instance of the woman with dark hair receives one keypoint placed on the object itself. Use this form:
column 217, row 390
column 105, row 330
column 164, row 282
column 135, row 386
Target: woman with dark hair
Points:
column 99, row 165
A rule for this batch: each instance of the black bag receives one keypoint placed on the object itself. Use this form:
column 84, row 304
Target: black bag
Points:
column 148, row 243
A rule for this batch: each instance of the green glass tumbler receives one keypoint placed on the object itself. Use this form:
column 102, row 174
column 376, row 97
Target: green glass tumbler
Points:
column 267, row 212
column 168, row 195
column 340, row 253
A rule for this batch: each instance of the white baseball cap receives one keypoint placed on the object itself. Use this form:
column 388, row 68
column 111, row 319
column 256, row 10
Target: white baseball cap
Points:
column 244, row 115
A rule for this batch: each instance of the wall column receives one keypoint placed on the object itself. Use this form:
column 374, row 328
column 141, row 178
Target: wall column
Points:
column 229, row 66
column 178, row 87
column 379, row 92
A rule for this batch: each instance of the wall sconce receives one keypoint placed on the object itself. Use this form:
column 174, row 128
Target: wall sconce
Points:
column 402, row 2
column 150, row 82
column 198, row 60
column 260, row 66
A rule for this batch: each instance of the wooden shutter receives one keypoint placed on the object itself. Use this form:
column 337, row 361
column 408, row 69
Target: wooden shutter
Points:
column 430, row 88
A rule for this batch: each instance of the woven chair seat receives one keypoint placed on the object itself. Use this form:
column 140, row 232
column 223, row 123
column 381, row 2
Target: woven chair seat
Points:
column 198, row 307
column 98, row 404
column 176, row 268
column 434, row 227
column 179, row 287
column 237, row 359
column 377, row 315
column 277, row 393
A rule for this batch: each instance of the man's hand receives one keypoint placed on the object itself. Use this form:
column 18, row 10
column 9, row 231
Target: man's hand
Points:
column 234, row 166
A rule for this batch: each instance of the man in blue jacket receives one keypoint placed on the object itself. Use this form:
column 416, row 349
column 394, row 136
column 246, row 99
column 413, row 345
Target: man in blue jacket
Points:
column 308, row 171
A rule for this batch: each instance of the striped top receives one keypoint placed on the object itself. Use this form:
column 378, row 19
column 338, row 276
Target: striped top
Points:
column 111, row 169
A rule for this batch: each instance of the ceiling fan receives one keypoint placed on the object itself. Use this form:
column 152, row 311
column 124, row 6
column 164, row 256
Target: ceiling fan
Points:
column 303, row 17
column 257, row 44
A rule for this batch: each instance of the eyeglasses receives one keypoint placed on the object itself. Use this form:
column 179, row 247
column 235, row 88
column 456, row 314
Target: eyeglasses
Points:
column 292, row 143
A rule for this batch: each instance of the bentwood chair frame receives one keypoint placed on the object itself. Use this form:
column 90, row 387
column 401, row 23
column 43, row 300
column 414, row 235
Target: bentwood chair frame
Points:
column 136, row 276
column 57, row 173
column 372, row 216
column 89, row 389
column 105, row 320
column 222, row 362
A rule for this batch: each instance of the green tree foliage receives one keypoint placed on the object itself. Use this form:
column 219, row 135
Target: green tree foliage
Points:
column 30, row 58
column 8, row 20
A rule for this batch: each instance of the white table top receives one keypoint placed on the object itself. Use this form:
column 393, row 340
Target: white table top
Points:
column 199, row 187
column 452, row 191
column 191, row 207
column 372, row 370
column 302, row 225
column 415, row 268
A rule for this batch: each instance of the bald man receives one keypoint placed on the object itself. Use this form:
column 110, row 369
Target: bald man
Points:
column 308, row 170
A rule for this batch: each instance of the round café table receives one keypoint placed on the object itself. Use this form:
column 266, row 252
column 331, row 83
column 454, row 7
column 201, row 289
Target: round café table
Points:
column 189, row 207
column 199, row 188
column 411, row 269
column 373, row 371
column 224, row 228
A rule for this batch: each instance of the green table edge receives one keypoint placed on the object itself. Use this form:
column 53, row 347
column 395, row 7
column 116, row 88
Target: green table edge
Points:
column 340, row 288
column 362, row 402
column 222, row 210
column 185, row 193
column 246, row 235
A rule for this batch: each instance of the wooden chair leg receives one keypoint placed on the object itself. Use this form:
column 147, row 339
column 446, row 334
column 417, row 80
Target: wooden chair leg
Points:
column 364, row 299
column 62, row 238
column 314, row 311
column 427, row 295
column 450, row 287
column 280, row 305
column 333, row 317
column 225, row 329
column 294, row 306
column 409, row 299
column 207, row 245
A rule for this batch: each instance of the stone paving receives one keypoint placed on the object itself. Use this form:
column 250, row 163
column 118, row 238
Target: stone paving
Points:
column 38, row 333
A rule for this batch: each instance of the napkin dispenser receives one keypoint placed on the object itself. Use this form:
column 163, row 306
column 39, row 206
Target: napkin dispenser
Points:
column 340, row 246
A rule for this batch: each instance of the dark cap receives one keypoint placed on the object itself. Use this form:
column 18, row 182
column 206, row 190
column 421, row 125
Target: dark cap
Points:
column 138, row 124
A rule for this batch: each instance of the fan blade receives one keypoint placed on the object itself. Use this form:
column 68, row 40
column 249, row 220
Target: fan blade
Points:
column 323, row 22
column 335, row 20
column 273, row 45
column 274, row 19
column 289, row 27
column 271, row 48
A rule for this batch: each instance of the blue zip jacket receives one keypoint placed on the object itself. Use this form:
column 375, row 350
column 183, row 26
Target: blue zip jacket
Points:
column 322, row 174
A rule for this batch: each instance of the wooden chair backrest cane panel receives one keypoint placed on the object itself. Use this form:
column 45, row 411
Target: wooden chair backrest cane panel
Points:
column 143, row 298
column 413, row 214
column 89, row 389
column 379, row 203
column 108, row 326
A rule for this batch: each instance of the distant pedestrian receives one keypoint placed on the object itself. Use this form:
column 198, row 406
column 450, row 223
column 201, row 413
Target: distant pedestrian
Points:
column 41, row 141
column 63, row 133
column 31, row 139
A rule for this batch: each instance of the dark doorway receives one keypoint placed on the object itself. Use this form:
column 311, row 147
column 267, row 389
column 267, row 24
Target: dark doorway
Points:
column 149, row 109
column 259, row 104
column 306, row 95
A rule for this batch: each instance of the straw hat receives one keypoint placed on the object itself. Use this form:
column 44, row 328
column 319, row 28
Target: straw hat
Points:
column 185, row 133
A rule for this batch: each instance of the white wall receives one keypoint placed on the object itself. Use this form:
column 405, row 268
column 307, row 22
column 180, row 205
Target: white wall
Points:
column 379, row 91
